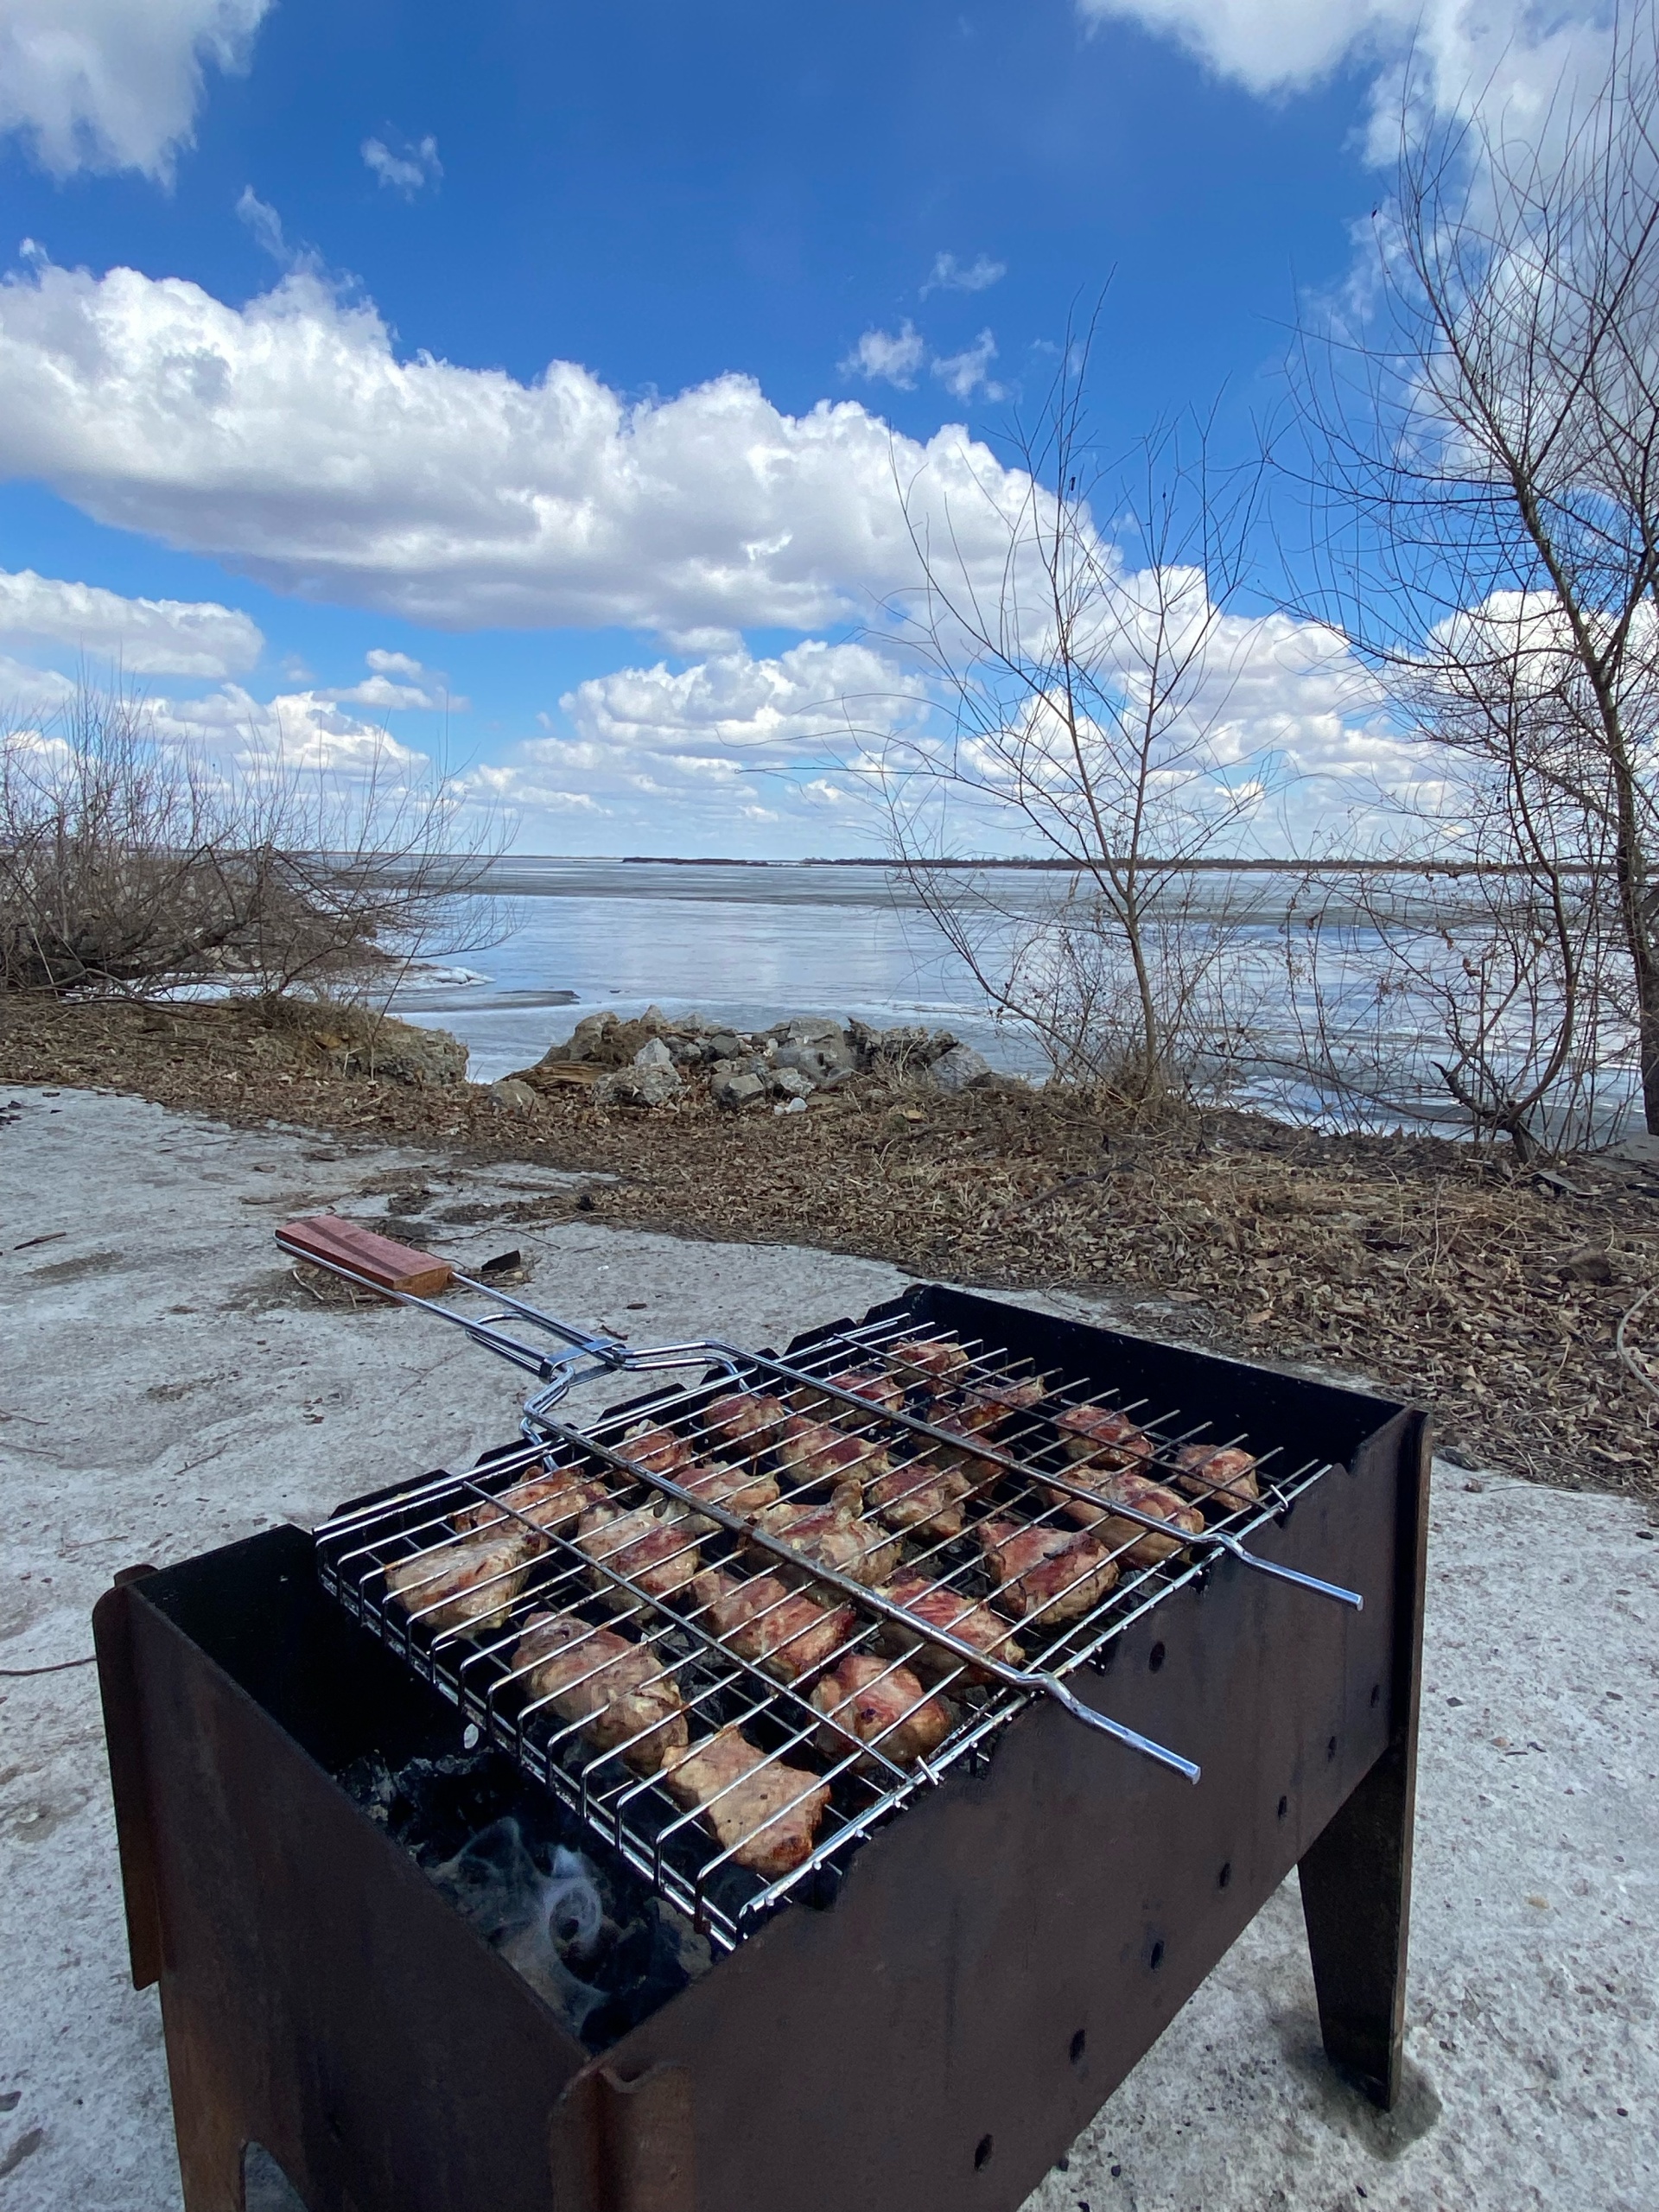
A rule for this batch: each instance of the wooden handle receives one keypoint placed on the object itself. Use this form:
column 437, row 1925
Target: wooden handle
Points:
column 331, row 1243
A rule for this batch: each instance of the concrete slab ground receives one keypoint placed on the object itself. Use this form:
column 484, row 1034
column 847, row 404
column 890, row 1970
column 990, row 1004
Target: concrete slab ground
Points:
column 166, row 1387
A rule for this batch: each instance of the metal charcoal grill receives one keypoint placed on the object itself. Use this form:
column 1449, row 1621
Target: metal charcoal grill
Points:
column 1015, row 1471
column 1001, row 1921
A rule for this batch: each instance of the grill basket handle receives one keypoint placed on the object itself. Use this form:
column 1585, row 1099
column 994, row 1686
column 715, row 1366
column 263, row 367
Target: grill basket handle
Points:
column 328, row 1241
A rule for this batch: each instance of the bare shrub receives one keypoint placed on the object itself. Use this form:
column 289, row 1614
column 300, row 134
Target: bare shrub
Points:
column 1482, row 456
column 1086, row 688
column 129, row 866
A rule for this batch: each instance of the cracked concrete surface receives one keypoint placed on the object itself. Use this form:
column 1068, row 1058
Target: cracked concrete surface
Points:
column 167, row 1388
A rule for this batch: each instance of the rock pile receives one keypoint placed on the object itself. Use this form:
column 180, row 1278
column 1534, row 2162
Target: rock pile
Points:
column 654, row 1059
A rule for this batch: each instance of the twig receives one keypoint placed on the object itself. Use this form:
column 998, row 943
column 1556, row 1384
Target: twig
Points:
column 1632, row 1361
column 1055, row 1191
column 18, row 1674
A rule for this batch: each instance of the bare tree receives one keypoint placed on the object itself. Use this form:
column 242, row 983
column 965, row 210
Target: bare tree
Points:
column 1084, row 686
column 129, row 865
column 1484, row 453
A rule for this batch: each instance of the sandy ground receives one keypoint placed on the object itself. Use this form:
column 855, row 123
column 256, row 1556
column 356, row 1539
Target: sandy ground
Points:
column 167, row 1388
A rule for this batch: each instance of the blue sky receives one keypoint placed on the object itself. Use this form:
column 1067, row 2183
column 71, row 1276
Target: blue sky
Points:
column 767, row 244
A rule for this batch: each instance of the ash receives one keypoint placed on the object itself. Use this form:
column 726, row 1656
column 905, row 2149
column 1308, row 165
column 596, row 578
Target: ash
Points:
column 577, row 1923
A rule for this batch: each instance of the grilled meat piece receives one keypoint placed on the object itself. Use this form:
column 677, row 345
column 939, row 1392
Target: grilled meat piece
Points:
column 1224, row 1478
column 939, row 1606
column 658, row 1450
column 931, row 1360
column 881, row 1703
column 1046, row 1575
column 987, row 1407
column 740, row 1489
column 466, row 1584
column 615, row 1689
column 812, row 1451
column 656, row 1551
column 554, row 1500
column 747, row 1418
column 833, row 1535
column 780, row 1629
column 1145, row 1546
column 919, row 1495
column 763, row 1811
column 1102, row 1437
column 882, row 1389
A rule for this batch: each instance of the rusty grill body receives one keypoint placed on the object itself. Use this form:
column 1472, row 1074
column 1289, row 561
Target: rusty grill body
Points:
column 931, row 2002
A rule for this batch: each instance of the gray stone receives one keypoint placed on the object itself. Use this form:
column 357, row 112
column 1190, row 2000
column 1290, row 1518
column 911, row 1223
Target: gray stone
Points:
column 820, row 1060
column 736, row 1087
column 653, row 1085
column 899, row 1048
column 792, row 1082
column 588, row 1033
column 657, row 1054
column 1642, row 1149
column 724, row 1045
column 512, row 1095
column 425, row 1058
column 790, row 1106
column 808, row 1030
column 955, row 1070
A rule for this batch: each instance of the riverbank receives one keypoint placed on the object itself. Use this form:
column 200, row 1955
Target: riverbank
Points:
column 1455, row 1280
column 219, row 1398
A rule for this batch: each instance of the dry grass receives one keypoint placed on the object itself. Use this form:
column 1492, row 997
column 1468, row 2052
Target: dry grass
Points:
column 1437, row 1275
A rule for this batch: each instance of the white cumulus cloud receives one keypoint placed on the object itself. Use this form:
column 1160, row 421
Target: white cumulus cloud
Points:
column 770, row 709
column 1515, row 53
column 964, row 374
column 951, row 274
column 405, row 168
column 144, row 637
column 286, row 438
column 887, row 356
column 115, row 83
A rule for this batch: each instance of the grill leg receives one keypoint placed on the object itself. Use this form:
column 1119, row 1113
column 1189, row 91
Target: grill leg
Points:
column 1357, row 1900
column 1356, row 1879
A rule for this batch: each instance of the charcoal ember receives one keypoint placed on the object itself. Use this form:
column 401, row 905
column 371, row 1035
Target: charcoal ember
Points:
column 574, row 1920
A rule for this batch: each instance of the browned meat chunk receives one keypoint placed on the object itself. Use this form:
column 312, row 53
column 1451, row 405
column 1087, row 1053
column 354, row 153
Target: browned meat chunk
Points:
column 932, row 1360
column 1048, row 1575
column 1225, row 1478
column 886, row 1391
column 782, row 1629
column 747, row 1418
column 466, row 1584
column 1141, row 1547
column 938, row 1606
column 656, row 1551
column 990, row 1408
column 617, row 1690
column 919, row 1495
column 1102, row 1437
column 833, row 1535
column 763, row 1811
column 740, row 1489
column 813, row 1451
column 553, row 1500
column 881, row 1703
column 658, row 1450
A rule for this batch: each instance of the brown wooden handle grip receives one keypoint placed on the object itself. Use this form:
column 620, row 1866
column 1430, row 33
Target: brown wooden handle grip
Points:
column 331, row 1243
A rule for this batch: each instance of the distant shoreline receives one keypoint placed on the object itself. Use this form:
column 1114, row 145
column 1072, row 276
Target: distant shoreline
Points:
column 1150, row 867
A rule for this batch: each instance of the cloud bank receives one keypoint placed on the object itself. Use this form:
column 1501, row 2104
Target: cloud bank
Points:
column 115, row 83
column 1464, row 52
column 287, row 439
column 144, row 637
